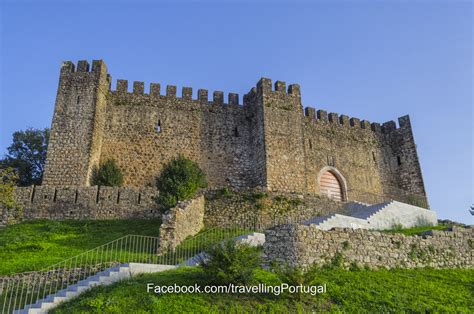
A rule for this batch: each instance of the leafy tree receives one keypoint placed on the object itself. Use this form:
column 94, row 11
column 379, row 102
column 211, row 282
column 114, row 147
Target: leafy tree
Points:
column 179, row 180
column 27, row 155
column 108, row 174
column 8, row 180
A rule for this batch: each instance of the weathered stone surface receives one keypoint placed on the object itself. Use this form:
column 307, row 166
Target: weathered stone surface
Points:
column 264, row 209
column 301, row 245
column 267, row 143
column 91, row 202
column 186, row 219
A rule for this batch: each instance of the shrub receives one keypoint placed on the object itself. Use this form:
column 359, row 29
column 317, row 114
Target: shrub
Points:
column 396, row 226
column 231, row 262
column 108, row 174
column 225, row 192
column 296, row 276
column 179, row 180
column 337, row 261
column 290, row 275
column 354, row 267
column 345, row 245
column 8, row 179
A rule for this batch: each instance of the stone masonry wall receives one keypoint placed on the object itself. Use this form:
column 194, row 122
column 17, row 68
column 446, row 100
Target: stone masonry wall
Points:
column 269, row 142
column 302, row 245
column 87, row 202
column 264, row 209
column 214, row 134
column 78, row 123
column 180, row 222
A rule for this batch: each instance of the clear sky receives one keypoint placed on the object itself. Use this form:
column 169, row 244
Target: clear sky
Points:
column 376, row 60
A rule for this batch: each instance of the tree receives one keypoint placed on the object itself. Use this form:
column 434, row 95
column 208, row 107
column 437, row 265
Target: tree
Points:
column 108, row 174
column 179, row 180
column 27, row 155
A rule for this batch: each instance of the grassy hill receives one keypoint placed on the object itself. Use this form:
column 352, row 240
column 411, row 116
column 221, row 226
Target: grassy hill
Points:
column 33, row 245
column 361, row 291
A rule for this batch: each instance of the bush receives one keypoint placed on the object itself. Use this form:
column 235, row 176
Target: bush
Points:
column 231, row 262
column 8, row 179
column 108, row 174
column 296, row 276
column 179, row 180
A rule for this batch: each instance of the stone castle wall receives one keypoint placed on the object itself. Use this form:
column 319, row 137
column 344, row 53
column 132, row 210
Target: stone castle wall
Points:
column 269, row 142
column 303, row 245
column 91, row 202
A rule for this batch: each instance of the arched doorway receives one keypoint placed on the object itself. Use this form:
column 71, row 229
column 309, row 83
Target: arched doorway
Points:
column 332, row 184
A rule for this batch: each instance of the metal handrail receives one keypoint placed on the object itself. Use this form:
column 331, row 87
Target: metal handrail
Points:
column 20, row 289
column 24, row 288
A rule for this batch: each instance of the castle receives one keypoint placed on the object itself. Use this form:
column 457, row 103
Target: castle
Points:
column 269, row 142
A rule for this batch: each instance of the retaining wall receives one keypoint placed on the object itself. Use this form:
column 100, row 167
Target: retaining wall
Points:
column 302, row 245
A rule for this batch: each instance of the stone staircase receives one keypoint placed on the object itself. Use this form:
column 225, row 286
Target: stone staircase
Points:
column 106, row 277
column 117, row 273
column 378, row 216
column 252, row 239
column 195, row 260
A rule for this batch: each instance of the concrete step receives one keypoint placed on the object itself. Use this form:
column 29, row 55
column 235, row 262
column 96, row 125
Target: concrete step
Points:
column 318, row 220
column 378, row 216
column 252, row 239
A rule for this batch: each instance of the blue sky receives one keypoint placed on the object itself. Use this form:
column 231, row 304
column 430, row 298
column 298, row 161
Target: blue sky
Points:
column 376, row 60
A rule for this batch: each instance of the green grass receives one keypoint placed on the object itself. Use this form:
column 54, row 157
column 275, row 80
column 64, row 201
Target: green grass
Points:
column 364, row 291
column 34, row 245
column 417, row 230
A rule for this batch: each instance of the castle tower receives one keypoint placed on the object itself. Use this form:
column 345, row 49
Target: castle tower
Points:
column 78, row 123
column 405, row 158
column 283, row 136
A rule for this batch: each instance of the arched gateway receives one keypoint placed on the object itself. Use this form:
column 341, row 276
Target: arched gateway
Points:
column 332, row 184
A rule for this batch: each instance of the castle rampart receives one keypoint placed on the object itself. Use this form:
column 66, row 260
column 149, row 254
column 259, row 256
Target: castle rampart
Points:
column 91, row 202
column 267, row 142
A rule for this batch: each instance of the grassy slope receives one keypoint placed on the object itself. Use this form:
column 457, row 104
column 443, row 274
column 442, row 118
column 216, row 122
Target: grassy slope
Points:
column 419, row 291
column 36, row 244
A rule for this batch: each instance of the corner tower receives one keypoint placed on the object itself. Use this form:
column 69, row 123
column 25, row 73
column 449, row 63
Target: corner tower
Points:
column 78, row 124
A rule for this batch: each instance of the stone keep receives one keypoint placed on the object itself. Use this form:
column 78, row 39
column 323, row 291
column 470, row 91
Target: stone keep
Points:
column 269, row 142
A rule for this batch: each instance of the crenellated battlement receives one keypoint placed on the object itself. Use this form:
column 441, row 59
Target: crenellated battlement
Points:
column 264, row 86
column 264, row 140
column 79, row 202
column 83, row 66
column 322, row 116
column 171, row 93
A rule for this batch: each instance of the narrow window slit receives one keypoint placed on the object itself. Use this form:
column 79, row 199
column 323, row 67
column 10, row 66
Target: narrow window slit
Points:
column 158, row 126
